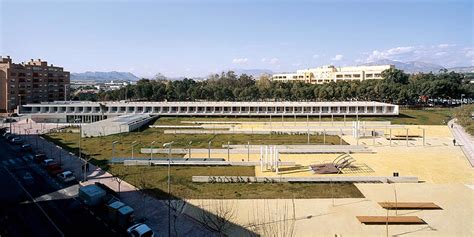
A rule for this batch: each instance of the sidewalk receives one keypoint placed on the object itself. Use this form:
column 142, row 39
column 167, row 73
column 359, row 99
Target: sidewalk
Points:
column 464, row 140
column 155, row 211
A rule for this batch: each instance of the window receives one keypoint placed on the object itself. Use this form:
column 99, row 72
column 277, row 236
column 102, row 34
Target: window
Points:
column 369, row 75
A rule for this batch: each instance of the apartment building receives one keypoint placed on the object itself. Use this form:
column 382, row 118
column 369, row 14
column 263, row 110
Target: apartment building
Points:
column 31, row 82
column 330, row 73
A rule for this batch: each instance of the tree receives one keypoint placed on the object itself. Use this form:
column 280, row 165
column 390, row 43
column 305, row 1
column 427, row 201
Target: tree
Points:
column 219, row 216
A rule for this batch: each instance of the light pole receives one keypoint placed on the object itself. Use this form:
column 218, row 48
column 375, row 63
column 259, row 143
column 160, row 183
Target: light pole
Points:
column 169, row 145
column 228, row 150
column 248, row 151
column 134, row 143
column 151, row 150
column 113, row 148
column 209, row 150
column 189, row 148
column 80, row 152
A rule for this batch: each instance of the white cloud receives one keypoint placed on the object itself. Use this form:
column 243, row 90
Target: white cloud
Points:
column 392, row 53
column 443, row 46
column 270, row 60
column 469, row 52
column 240, row 60
column 447, row 55
column 315, row 56
column 338, row 57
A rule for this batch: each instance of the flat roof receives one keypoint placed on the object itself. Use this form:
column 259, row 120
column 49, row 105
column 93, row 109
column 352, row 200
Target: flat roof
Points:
column 210, row 103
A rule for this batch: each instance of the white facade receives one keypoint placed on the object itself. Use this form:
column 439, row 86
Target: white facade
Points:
column 330, row 73
column 95, row 111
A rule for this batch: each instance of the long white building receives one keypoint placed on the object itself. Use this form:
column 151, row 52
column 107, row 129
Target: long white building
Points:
column 94, row 111
column 330, row 73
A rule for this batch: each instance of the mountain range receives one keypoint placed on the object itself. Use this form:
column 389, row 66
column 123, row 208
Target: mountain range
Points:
column 104, row 76
column 408, row 67
column 417, row 66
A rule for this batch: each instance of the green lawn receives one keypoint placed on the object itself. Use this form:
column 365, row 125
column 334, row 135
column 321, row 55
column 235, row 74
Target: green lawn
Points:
column 154, row 181
column 463, row 115
column 428, row 116
column 100, row 148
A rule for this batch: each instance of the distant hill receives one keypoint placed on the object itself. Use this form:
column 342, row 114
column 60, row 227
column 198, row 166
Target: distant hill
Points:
column 409, row 67
column 462, row 69
column 104, row 76
column 252, row 72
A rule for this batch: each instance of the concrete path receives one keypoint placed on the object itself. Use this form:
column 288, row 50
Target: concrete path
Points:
column 464, row 140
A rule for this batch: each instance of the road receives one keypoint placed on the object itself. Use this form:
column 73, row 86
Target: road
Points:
column 43, row 207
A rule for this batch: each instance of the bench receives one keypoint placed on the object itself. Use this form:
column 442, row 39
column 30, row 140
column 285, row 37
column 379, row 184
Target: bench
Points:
column 391, row 220
column 409, row 205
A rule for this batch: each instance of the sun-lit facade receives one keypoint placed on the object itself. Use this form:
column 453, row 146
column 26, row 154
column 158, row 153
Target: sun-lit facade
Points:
column 330, row 73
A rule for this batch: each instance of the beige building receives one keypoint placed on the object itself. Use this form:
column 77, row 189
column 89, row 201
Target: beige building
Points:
column 330, row 73
column 31, row 82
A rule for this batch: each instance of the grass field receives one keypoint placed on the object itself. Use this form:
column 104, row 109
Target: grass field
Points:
column 100, row 148
column 463, row 115
column 154, row 181
column 429, row 116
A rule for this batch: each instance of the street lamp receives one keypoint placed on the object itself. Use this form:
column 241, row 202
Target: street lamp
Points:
column 209, row 150
column 134, row 143
column 151, row 150
column 169, row 145
column 113, row 148
column 189, row 148
column 80, row 152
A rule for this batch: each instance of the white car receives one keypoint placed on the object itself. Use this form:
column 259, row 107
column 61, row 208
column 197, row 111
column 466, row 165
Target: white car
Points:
column 66, row 177
column 47, row 162
column 140, row 230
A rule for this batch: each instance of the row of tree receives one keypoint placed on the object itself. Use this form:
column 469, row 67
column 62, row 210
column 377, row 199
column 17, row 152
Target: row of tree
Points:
column 396, row 87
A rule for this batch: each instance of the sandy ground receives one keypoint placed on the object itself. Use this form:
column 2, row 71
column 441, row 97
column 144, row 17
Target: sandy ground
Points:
column 328, row 217
column 446, row 175
column 438, row 161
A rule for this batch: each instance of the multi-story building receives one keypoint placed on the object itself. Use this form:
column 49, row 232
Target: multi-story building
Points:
column 31, row 82
column 331, row 73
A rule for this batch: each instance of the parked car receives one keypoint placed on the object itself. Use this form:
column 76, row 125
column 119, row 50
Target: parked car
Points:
column 28, row 179
column 40, row 157
column 28, row 157
column 16, row 140
column 27, row 148
column 140, row 230
column 46, row 162
column 54, row 169
column 66, row 176
column 7, row 135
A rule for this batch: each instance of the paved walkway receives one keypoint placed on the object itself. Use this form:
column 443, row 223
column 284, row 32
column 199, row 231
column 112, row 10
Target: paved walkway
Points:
column 463, row 139
column 155, row 211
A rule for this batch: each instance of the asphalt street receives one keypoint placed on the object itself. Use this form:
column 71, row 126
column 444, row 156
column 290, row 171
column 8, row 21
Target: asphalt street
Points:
column 41, row 206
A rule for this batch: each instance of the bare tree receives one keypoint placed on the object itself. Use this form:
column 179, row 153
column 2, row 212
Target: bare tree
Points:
column 217, row 214
column 119, row 179
column 177, row 206
column 276, row 220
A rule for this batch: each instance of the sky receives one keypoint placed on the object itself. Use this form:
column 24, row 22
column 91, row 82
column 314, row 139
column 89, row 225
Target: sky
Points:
column 197, row 38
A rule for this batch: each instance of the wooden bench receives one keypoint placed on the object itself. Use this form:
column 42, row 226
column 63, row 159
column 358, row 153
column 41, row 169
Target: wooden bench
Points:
column 409, row 205
column 391, row 220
